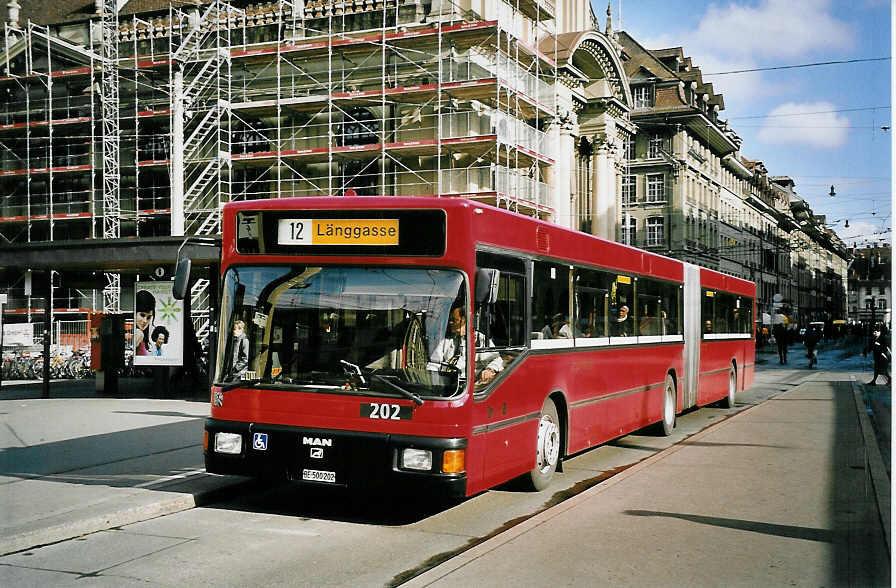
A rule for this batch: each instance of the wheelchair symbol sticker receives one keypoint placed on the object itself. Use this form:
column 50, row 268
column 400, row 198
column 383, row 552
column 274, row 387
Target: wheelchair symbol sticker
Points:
column 260, row 441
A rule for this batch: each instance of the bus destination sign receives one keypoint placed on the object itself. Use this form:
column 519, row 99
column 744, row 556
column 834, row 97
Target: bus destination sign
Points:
column 341, row 232
column 336, row 232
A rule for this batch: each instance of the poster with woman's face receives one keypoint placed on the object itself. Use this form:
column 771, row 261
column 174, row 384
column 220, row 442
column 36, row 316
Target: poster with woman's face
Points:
column 158, row 325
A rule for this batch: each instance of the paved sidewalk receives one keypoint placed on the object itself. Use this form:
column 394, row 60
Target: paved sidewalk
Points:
column 80, row 462
column 778, row 495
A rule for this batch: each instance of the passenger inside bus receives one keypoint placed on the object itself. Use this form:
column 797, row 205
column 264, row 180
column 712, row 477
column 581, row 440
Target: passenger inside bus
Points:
column 584, row 328
column 562, row 329
column 240, row 351
column 452, row 350
column 621, row 327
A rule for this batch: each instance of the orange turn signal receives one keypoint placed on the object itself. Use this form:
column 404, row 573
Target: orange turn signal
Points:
column 205, row 440
column 453, row 461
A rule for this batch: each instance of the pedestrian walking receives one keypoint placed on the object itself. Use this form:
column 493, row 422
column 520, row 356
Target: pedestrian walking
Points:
column 780, row 333
column 811, row 339
column 880, row 351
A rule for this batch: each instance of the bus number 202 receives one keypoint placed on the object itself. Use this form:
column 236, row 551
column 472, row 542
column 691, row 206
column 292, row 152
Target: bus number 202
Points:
column 388, row 412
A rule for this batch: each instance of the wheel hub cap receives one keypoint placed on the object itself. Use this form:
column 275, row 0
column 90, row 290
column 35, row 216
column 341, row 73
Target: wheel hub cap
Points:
column 548, row 443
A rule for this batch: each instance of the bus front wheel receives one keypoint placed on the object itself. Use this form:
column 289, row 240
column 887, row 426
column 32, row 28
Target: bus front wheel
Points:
column 547, row 447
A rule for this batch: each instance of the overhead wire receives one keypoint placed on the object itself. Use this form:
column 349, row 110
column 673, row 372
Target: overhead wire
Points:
column 797, row 66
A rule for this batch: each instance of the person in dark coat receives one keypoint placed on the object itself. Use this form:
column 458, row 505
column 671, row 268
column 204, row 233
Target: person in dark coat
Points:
column 780, row 333
column 880, row 351
column 811, row 339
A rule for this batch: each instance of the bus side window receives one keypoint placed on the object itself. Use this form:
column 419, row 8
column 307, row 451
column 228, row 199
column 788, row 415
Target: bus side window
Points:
column 707, row 308
column 724, row 313
column 507, row 318
column 658, row 307
column 591, row 303
column 622, row 307
column 550, row 301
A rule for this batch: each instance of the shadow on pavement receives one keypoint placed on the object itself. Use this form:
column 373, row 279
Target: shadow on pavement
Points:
column 790, row 531
column 335, row 504
column 128, row 388
column 854, row 509
column 143, row 454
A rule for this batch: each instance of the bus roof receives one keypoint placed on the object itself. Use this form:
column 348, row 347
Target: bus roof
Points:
column 485, row 225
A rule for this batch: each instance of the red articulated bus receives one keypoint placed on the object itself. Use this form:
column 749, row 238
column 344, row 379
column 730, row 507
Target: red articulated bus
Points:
column 450, row 345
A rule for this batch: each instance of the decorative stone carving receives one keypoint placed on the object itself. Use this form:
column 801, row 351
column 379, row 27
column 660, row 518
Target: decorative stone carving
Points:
column 599, row 53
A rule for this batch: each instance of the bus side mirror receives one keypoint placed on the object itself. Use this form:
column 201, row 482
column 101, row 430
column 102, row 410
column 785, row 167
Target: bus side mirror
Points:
column 181, row 279
column 487, row 285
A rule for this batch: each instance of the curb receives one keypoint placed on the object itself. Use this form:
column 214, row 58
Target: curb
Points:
column 125, row 516
column 880, row 481
column 78, row 528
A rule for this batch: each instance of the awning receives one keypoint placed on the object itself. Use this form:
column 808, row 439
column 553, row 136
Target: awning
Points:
column 78, row 259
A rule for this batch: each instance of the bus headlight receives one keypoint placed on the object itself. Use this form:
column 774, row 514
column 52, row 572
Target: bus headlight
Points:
column 416, row 459
column 228, row 443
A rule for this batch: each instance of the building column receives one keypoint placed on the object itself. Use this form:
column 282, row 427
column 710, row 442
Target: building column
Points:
column 603, row 200
column 562, row 173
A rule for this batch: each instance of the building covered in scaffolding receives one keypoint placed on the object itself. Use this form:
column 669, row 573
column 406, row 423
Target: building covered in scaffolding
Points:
column 133, row 122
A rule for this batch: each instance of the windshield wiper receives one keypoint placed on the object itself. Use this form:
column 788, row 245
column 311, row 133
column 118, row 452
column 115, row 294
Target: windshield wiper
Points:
column 403, row 391
column 242, row 384
column 353, row 371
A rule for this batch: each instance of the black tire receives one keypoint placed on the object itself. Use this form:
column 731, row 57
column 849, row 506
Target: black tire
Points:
column 728, row 401
column 667, row 423
column 547, row 448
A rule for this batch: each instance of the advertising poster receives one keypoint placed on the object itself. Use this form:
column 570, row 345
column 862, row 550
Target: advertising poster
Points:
column 158, row 325
column 18, row 334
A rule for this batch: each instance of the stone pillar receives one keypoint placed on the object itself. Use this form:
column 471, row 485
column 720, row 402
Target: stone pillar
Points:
column 562, row 173
column 611, row 193
column 596, row 174
column 603, row 200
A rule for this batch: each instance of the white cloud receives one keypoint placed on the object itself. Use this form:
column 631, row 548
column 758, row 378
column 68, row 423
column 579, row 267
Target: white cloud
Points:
column 746, row 35
column 773, row 29
column 810, row 124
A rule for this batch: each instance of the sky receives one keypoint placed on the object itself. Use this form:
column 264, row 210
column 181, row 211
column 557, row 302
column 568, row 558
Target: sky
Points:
column 827, row 125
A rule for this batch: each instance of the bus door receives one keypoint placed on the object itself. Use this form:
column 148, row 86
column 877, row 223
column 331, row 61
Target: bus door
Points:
column 692, row 334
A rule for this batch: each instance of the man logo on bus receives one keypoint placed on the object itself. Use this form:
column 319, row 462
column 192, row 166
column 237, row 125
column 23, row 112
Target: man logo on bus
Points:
column 317, row 441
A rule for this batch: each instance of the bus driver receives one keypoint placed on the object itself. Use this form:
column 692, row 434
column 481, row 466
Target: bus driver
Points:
column 452, row 350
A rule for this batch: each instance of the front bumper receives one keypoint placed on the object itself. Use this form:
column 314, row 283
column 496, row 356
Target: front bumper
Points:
column 351, row 459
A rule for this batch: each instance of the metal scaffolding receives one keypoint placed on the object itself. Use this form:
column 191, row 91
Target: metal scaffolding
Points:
column 145, row 126
column 111, row 142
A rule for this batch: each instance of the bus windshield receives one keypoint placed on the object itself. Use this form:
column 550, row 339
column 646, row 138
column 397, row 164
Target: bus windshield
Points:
column 369, row 330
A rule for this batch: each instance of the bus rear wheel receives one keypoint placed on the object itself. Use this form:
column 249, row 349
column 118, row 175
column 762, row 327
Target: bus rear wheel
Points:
column 547, row 448
column 667, row 424
column 728, row 401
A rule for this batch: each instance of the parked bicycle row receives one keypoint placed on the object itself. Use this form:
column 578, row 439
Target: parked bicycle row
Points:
column 28, row 364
